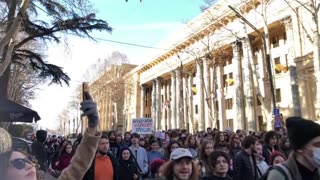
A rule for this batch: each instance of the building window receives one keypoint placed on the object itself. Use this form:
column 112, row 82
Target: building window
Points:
column 258, row 102
column 230, row 123
column 277, row 65
column 228, row 80
column 278, row 95
column 194, row 89
column 275, row 41
column 196, row 109
column 229, row 104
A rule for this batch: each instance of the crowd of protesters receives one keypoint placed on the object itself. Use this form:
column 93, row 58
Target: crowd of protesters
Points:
column 292, row 152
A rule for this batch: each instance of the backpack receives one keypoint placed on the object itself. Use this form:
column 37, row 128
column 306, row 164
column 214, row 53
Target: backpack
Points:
column 282, row 168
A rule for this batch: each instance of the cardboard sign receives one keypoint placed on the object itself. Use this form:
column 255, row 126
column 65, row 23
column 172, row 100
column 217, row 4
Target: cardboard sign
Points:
column 142, row 125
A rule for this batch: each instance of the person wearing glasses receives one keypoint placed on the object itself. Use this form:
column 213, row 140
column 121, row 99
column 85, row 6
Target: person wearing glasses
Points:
column 16, row 165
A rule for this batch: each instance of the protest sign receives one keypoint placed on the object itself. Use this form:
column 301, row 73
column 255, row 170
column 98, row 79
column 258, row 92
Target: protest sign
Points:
column 142, row 125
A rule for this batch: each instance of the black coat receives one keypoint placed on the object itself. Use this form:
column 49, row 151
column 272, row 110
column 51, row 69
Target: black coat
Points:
column 39, row 151
column 242, row 168
column 267, row 151
column 126, row 170
column 90, row 173
column 213, row 177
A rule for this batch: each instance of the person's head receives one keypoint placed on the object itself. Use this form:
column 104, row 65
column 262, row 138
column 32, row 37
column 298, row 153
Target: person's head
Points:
column 118, row 138
column 41, row 135
column 219, row 162
column 155, row 167
column 173, row 145
column 219, row 137
column 5, row 140
column 112, row 136
column 285, row 143
column 104, row 145
column 127, row 136
column 16, row 165
column 209, row 130
column 223, row 147
column 164, row 144
column 304, row 136
column 206, row 149
column 174, row 135
column 125, row 154
column 142, row 142
column 180, row 166
column 250, row 143
column 234, row 140
column 135, row 138
column 67, row 149
column 191, row 142
column 155, row 145
column 259, row 149
column 277, row 158
column 271, row 138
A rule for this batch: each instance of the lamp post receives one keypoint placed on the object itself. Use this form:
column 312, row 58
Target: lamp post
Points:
column 266, row 55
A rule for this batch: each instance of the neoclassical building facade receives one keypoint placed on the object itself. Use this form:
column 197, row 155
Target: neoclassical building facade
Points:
column 215, row 72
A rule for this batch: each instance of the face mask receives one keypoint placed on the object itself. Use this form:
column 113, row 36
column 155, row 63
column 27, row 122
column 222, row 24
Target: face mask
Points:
column 315, row 159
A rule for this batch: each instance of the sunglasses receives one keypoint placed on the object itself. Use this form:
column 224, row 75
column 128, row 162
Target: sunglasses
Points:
column 20, row 163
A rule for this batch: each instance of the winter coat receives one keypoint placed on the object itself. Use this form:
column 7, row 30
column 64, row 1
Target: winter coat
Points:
column 291, row 170
column 126, row 169
column 267, row 151
column 64, row 161
column 40, row 152
column 242, row 167
column 82, row 159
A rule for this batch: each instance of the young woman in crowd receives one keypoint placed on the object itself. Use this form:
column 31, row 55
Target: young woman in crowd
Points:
column 235, row 145
column 16, row 165
column 64, row 159
column 271, row 139
column 277, row 158
column 206, row 149
column 191, row 145
column 219, row 138
column 127, row 168
column 171, row 146
column 219, row 162
column 285, row 146
column 155, row 167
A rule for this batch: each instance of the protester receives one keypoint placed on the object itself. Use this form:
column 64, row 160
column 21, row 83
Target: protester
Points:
column 16, row 165
column 128, row 168
column 192, row 145
column 244, row 162
column 304, row 163
column 104, row 164
column 127, row 140
column 277, row 158
column 155, row 167
column 285, row 147
column 180, row 166
column 39, row 149
column 235, row 145
column 271, row 140
column 153, row 153
column 219, row 162
column 261, row 164
column 139, row 155
column 171, row 146
column 205, row 150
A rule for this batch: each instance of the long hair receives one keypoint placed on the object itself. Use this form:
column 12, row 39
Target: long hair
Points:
column 166, row 171
column 188, row 145
column 5, row 160
column 63, row 151
column 202, row 154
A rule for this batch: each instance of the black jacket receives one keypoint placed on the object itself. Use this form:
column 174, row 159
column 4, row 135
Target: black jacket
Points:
column 126, row 170
column 90, row 173
column 242, row 168
column 267, row 151
column 39, row 151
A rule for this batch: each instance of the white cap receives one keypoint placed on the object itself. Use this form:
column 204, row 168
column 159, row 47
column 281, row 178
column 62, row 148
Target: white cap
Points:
column 180, row 153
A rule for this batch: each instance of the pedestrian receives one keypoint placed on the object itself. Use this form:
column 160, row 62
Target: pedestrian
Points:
column 271, row 140
column 171, row 146
column 261, row 164
column 39, row 150
column 219, row 162
column 244, row 163
column 139, row 155
column 206, row 149
column 17, row 165
column 180, row 166
column 304, row 163
column 104, row 165
column 127, row 168
column 153, row 153
column 277, row 158
column 235, row 145
column 192, row 145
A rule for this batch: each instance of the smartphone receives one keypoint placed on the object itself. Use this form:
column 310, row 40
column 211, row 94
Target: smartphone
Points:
column 85, row 90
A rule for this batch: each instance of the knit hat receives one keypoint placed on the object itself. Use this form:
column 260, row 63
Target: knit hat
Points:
column 5, row 141
column 301, row 131
column 274, row 155
column 41, row 135
column 156, row 164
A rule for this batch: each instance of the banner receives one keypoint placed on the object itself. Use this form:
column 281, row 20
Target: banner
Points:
column 142, row 125
column 277, row 118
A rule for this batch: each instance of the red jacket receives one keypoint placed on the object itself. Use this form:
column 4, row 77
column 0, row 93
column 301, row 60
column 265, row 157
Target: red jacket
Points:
column 64, row 161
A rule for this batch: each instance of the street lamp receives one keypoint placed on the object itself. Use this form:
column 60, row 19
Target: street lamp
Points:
column 266, row 55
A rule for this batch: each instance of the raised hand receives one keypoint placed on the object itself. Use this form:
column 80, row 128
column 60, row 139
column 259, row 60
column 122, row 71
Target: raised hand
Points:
column 89, row 108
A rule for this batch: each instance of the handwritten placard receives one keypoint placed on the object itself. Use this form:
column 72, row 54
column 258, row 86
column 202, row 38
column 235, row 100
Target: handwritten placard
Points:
column 142, row 125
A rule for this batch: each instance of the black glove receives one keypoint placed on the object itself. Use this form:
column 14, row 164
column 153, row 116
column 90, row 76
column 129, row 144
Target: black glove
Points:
column 89, row 108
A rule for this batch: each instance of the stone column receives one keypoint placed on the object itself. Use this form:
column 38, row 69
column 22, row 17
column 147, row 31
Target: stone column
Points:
column 206, row 91
column 249, row 92
column 221, row 98
column 143, row 100
column 164, row 116
column 173, row 100
column 185, row 102
column 292, row 68
column 190, row 103
column 154, row 104
column 238, row 101
column 179, row 101
column 158, row 103
column 168, row 120
column 201, row 95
